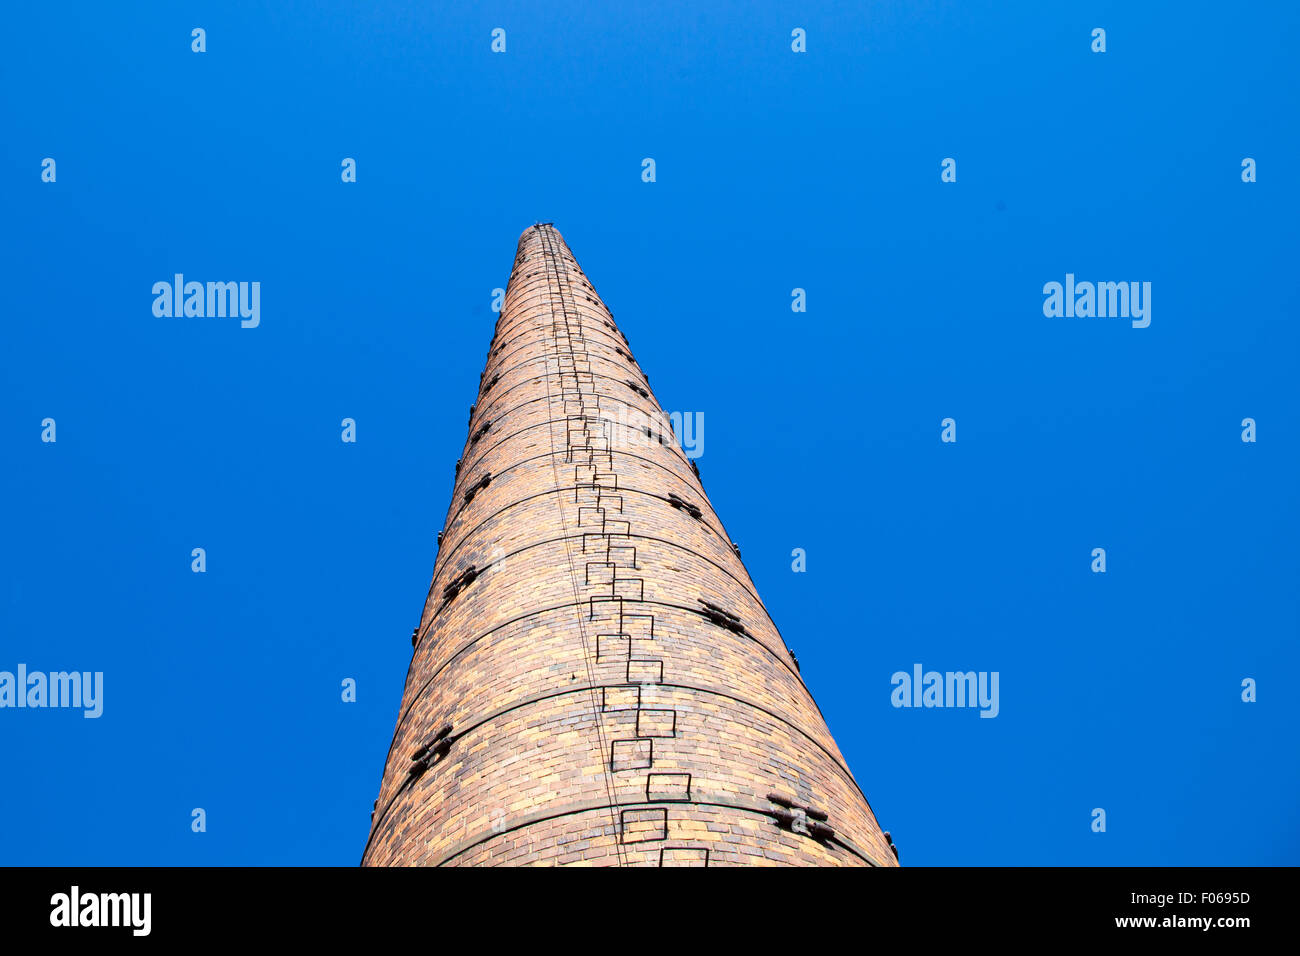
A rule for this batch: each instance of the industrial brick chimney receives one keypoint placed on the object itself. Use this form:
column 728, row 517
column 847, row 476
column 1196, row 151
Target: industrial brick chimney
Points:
column 595, row 679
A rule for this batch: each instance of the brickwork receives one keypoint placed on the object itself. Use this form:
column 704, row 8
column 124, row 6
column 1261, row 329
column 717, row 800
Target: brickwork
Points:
column 595, row 679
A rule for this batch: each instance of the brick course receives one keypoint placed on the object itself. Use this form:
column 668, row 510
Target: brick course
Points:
column 595, row 680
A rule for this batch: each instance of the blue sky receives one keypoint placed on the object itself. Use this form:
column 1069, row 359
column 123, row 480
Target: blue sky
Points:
column 775, row 170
